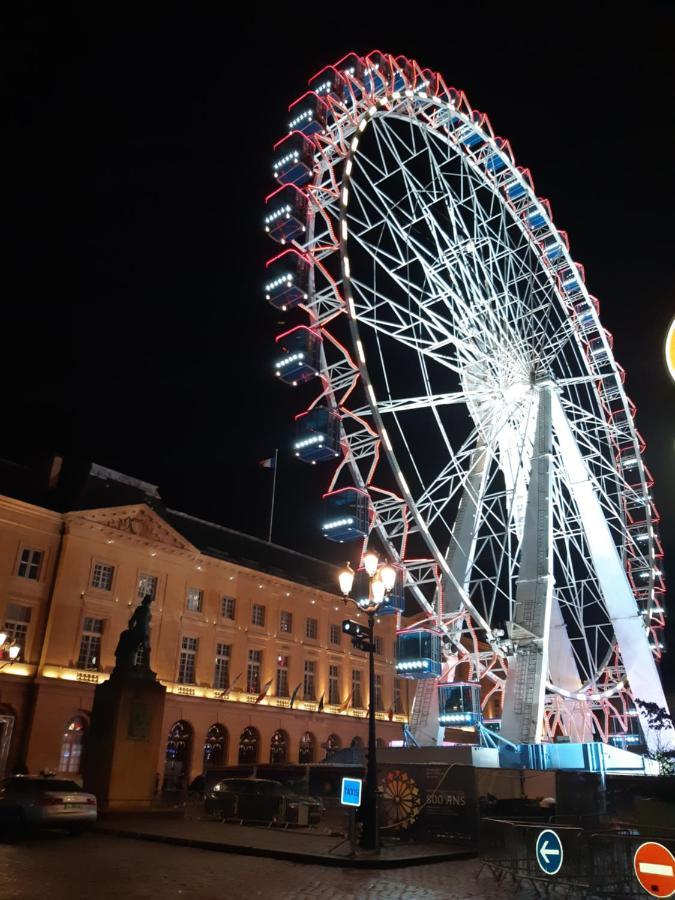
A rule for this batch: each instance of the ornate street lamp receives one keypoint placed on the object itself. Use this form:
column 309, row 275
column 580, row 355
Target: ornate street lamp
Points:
column 11, row 649
column 381, row 578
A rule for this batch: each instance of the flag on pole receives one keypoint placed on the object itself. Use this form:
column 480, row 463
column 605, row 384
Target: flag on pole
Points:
column 268, row 463
column 321, row 703
column 230, row 687
column 390, row 714
column 346, row 703
column 264, row 691
column 295, row 694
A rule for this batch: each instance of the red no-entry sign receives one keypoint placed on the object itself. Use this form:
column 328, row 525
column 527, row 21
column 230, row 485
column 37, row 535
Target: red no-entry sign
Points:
column 654, row 867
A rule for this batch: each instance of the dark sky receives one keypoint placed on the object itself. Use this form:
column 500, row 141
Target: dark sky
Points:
column 137, row 156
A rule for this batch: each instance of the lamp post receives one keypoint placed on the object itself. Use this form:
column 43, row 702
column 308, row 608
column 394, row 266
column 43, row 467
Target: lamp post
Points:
column 13, row 650
column 381, row 580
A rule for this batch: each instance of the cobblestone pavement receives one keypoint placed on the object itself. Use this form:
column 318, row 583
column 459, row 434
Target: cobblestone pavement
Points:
column 98, row 867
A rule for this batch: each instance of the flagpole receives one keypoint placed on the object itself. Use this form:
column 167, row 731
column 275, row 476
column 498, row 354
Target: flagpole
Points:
column 274, row 490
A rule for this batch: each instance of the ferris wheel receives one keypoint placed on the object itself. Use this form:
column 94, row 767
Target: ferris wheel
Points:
column 463, row 388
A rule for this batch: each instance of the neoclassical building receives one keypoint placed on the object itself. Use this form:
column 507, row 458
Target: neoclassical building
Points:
column 246, row 635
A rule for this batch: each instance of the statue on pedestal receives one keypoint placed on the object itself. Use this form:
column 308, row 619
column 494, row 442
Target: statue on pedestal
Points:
column 132, row 654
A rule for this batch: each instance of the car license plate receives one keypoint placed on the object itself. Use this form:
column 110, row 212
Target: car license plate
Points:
column 73, row 805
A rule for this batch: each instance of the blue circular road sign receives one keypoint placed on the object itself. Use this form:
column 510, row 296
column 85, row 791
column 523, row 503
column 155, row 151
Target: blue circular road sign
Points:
column 549, row 852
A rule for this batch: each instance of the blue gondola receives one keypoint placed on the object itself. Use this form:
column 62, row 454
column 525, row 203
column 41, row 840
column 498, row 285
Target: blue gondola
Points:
column 285, row 214
column 329, row 82
column 515, row 190
column 317, row 435
column 494, row 163
column 553, row 249
column 293, row 159
column 535, row 219
column 300, row 359
column 347, row 515
column 459, row 704
column 286, row 280
column 418, row 654
column 307, row 114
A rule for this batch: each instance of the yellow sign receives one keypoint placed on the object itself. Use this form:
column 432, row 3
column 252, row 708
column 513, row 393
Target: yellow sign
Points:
column 670, row 350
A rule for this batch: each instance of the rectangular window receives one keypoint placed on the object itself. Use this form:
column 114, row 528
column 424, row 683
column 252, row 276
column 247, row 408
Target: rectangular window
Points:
column 227, row 608
column 311, row 628
column 357, row 699
column 253, row 671
column 308, row 691
column 30, row 563
column 147, row 585
column 282, row 676
column 378, row 645
column 286, row 622
column 90, row 644
column 379, row 701
column 258, row 615
column 334, row 685
column 398, row 696
column 221, row 677
column 195, row 599
column 335, row 632
column 188, row 660
column 102, row 576
column 17, row 620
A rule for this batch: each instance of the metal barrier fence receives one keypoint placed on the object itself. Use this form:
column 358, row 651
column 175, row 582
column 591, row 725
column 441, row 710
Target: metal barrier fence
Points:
column 596, row 863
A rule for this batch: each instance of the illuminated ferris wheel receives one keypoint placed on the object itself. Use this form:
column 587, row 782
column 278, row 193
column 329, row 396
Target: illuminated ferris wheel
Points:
column 467, row 395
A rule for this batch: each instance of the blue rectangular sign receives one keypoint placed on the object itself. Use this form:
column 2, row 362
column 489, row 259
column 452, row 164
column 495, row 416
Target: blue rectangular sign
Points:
column 350, row 795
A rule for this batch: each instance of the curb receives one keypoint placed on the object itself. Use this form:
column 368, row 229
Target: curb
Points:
column 290, row 855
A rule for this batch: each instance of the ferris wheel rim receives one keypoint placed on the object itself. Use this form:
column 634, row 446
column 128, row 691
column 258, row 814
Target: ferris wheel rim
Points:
column 368, row 112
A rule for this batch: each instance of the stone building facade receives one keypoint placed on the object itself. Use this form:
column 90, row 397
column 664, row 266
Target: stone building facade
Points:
column 246, row 636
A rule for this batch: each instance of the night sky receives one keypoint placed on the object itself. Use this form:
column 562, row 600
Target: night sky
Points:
column 137, row 156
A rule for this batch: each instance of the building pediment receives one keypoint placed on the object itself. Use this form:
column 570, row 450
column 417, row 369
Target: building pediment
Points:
column 137, row 521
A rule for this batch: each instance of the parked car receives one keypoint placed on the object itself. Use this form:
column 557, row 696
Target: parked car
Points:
column 262, row 800
column 34, row 801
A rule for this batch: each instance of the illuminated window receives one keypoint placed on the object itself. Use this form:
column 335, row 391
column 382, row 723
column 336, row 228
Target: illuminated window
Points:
column 188, row 660
column 379, row 701
column 17, row 620
column 282, row 676
column 286, row 622
column 248, row 746
column 195, row 599
column 227, row 608
column 279, row 747
column 335, row 632
column 90, row 644
column 398, row 696
column 379, row 645
column 307, row 743
column 221, row 678
column 258, row 615
column 357, row 699
column 334, row 685
column 71, row 746
column 147, row 585
column 308, row 687
column 311, row 629
column 253, row 671
column 30, row 563
column 102, row 576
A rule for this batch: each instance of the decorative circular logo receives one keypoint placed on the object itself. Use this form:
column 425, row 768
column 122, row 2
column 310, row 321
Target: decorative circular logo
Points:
column 401, row 802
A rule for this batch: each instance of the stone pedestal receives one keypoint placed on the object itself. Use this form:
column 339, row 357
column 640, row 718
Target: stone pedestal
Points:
column 120, row 764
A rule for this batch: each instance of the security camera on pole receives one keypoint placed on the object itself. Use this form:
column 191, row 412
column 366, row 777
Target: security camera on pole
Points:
column 382, row 578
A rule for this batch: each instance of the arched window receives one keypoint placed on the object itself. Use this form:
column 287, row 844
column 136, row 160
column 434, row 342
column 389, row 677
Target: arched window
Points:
column 279, row 747
column 71, row 746
column 333, row 744
column 307, row 744
column 248, row 746
column 215, row 746
column 178, row 753
column 380, row 743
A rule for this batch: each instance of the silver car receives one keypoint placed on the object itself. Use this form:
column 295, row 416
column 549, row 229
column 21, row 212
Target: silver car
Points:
column 32, row 801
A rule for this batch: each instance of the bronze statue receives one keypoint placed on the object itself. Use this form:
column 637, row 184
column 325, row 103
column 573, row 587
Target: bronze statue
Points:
column 136, row 638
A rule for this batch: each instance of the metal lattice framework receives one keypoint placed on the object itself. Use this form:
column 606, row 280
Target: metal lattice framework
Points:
column 480, row 404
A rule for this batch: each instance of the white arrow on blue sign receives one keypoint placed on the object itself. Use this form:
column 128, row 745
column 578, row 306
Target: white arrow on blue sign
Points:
column 549, row 852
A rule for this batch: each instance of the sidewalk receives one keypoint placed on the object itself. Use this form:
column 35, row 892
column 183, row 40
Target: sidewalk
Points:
column 299, row 845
